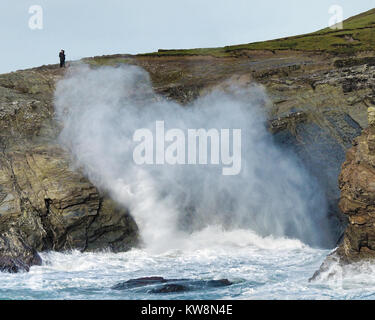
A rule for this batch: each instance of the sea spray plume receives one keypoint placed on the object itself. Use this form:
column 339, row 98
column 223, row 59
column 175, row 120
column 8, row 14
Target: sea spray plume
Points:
column 100, row 109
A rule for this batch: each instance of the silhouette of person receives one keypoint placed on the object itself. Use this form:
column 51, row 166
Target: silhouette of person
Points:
column 62, row 58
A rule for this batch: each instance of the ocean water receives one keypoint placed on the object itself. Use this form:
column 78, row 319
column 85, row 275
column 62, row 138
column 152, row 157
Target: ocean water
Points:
column 259, row 268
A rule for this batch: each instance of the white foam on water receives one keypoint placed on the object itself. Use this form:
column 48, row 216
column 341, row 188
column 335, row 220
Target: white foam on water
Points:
column 260, row 268
column 240, row 256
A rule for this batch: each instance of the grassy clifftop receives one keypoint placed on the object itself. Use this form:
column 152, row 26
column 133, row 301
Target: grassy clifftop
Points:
column 358, row 34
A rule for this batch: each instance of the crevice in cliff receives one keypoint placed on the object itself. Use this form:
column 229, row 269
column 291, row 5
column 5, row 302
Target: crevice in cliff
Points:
column 90, row 224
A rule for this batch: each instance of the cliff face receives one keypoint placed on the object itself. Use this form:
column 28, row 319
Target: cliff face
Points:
column 320, row 87
column 357, row 184
column 43, row 201
column 318, row 106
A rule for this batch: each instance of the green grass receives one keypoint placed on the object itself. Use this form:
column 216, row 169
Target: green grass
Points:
column 111, row 60
column 217, row 52
column 357, row 35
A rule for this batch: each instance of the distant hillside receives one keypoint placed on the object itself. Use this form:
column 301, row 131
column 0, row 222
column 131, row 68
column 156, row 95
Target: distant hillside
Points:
column 357, row 35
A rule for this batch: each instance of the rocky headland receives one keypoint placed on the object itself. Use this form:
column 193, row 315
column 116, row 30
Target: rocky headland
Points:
column 319, row 101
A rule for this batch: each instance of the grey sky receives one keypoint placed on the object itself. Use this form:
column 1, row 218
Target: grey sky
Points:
column 95, row 27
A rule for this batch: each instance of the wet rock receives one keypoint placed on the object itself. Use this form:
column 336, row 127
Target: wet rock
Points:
column 190, row 285
column 171, row 288
column 140, row 282
column 15, row 254
column 219, row 283
column 161, row 285
column 326, row 270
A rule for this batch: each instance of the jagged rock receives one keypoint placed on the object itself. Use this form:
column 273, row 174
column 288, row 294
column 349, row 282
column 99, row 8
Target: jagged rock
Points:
column 357, row 184
column 57, row 208
column 327, row 269
column 15, row 254
column 357, row 201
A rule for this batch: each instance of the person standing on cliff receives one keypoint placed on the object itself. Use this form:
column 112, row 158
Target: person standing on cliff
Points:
column 62, row 58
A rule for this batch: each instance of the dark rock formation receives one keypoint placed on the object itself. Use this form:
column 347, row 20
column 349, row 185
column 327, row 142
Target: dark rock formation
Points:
column 15, row 254
column 170, row 288
column 326, row 271
column 139, row 282
column 161, row 285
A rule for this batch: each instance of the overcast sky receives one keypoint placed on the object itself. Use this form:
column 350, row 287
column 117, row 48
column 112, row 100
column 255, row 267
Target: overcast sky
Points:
column 96, row 27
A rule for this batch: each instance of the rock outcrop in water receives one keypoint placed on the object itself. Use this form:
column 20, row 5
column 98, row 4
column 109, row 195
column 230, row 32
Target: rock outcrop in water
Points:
column 159, row 285
column 15, row 254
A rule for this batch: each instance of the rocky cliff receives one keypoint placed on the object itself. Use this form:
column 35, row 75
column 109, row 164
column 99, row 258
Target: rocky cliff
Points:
column 357, row 184
column 318, row 106
column 357, row 201
column 44, row 203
